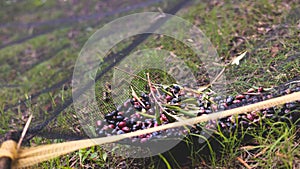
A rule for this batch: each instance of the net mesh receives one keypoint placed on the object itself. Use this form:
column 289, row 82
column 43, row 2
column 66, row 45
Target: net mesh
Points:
column 50, row 101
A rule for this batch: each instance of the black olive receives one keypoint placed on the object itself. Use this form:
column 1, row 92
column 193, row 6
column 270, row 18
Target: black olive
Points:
column 138, row 107
column 109, row 116
column 217, row 98
column 176, row 100
column 229, row 99
column 145, row 97
column 291, row 106
column 120, row 118
column 111, row 121
column 200, row 103
column 255, row 99
column 155, row 133
column 101, row 133
column 221, row 107
column 176, row 88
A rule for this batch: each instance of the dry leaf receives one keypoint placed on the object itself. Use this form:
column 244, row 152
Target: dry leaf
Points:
column 274, row 50
column 237, row 59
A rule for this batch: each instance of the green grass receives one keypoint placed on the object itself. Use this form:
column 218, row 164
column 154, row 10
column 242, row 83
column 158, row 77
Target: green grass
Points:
column 272, row 48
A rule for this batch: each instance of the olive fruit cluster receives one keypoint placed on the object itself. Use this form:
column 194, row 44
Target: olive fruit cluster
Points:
column 127, row 117
column 287, row 112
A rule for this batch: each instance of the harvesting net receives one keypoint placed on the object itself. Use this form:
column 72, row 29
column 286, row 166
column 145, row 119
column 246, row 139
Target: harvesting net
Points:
column 134, row 89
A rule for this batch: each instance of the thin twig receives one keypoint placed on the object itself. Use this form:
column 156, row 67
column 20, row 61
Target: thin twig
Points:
column 261, row 152
column 24, row 131
column 136, row 97
column 244, row 163
column 297, row 81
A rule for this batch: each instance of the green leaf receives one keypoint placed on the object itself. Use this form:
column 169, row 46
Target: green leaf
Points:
column 104, row 156
column 94, row 155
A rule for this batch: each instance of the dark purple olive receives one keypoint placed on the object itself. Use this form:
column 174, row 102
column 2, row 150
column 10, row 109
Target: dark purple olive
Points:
column 122, row 124
column 131, row 122
column 236, row 101
column 163, row 117
column 101, row 133
column 260, row 89
column 138, row 107
column 270, row 111
column 118, row 122
column 291, row 106
column 132, row 101
column 207, row 111
column 255, row 99
column 217, row 98
column 221, row 107
column 111, row 126
column 145, row 97
column 168, row 98
column 155, row 133
column 110, row 121
column 175, row 100
column 176, row 89
column 234, row 127
column 120, row 132
column 109, row 116
column 126, row 129
column 297, row 89
column 250, row 117
column 229, row 99
column 120, row 118
column 240, row 96
column 200, row 103
column 115, row 112
column 120, row 113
